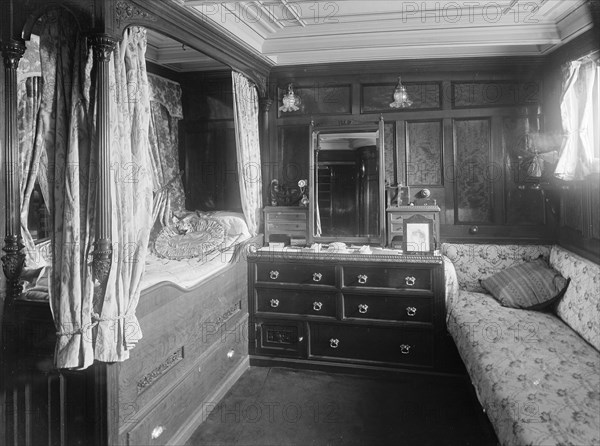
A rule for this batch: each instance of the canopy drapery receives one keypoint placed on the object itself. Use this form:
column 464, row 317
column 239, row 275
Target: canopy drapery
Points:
column 577, row 156
column 118, row 329
column 93, row 322
column 245, row 112
column 165, row 113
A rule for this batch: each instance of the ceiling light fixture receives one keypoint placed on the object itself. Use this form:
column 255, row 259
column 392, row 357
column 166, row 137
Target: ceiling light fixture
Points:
column 290, row 101
column 401, row 99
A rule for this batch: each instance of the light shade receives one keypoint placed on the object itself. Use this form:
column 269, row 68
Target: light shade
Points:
column 290, row 101
column 401, row 99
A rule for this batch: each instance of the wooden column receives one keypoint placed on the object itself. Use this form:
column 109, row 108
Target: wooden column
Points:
column 265, row 104
column 14, row 259
column 103, row 45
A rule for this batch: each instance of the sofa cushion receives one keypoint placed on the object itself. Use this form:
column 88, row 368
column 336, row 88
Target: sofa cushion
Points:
column 580, row 307
column 530, row 285
column 534, row 376
column 476, row 261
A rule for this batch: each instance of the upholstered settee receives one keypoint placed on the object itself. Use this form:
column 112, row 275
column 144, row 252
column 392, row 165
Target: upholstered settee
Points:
column 536, row 374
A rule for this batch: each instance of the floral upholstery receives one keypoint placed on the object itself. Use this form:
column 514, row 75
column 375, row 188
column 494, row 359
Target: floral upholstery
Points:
column 535, row 392
column 580, row 307
column 536, row 378
column 474, row 262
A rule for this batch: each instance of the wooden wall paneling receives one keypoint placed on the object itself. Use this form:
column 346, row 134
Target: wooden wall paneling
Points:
column 376, row 98
column 319, row 98
column 294, row 144
column 473, row 190
column 391, row 152
column 424, row 153
column 400, row 155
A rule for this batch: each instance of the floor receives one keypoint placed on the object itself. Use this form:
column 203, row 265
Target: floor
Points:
column 278, row 406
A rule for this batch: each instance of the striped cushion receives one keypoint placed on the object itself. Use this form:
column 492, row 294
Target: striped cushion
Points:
column 531, row 285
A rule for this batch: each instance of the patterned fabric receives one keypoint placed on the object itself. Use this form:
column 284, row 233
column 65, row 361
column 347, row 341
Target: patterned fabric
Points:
column 167, row 93
column 580, row 307
column 527, row 285
column 189, row 238
column 118, row 329
column 66, row 125
column 478, row 261
column 166, row 177
column 245, row 107
column 537, row 380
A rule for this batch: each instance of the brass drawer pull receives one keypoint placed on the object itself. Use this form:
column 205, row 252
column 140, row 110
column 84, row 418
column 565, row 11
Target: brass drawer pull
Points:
column 317, row 277
column 410, row 280
column 334, row 343
column 362, row 308
column 274, row 303
column 411, row 311
column 274, row 274
column 405, row 349
column 362, row 279
column 317, row 306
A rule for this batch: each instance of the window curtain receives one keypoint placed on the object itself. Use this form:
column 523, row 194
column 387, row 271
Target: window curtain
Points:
column 118, row 329
column 245, row 108
column 577, row 158
column 165, row 113
column 66, row 124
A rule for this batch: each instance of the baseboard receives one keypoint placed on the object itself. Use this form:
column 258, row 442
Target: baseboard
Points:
column 189, row 427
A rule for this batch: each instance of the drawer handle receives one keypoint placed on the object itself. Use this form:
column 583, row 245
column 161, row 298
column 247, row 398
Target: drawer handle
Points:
column 362, row 279
column 405, row 349
column 274, row 303
column 410, row 280
column 411, row 311
column 334, row 343
column 157, row 432
column 362, row 308
column 274, row 274
column 317, row 306
column 317, row 277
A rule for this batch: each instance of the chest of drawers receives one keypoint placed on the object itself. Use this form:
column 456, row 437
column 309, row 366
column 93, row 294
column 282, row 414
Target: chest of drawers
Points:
column 285, row 220
column 365, row 311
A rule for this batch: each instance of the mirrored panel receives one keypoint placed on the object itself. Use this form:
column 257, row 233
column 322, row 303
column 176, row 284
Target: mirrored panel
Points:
column 346, row 184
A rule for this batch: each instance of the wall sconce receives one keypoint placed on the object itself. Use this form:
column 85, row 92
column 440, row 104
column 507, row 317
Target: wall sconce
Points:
column 290, row 101
column 401, row 99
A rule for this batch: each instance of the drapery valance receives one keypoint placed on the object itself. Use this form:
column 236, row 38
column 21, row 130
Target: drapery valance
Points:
column 166, row 92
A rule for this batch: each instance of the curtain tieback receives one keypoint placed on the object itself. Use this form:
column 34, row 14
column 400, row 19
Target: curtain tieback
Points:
column 95, row 321
column 168, row 183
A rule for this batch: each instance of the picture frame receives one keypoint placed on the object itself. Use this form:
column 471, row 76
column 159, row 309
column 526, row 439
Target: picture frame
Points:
column 418, row 235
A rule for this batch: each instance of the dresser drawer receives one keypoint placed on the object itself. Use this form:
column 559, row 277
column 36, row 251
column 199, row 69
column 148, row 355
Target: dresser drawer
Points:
column 388, row 277
column 286, row 227
column 276, row 272
column 286, row 301
column 280, row 338
column 391, row 308
column 273, row 217
column 378, row 344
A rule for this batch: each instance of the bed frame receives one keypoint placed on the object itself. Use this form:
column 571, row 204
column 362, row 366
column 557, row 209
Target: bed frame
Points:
column 194, row 344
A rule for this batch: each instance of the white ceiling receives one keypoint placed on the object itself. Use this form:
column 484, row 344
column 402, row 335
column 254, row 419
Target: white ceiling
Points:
column 295, row 32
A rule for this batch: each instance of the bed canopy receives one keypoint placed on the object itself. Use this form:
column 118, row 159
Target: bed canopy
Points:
column 95, row 126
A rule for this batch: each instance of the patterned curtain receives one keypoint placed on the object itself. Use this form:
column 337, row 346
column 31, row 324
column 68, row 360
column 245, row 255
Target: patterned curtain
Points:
column 118, row 329
column 245, row 110
column 30, row 150
column 165, row 112
column 577, row 157
column 66, row 125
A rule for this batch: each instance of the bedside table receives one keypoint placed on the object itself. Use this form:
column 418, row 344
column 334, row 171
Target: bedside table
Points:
column 396, row 216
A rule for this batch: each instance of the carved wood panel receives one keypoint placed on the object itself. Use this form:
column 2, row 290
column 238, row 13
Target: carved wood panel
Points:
column 424, row 153
column 294, row 145
column 473, row 163
column 377, row 97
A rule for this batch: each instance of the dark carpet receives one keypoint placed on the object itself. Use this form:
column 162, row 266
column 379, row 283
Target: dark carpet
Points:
column 278, row 406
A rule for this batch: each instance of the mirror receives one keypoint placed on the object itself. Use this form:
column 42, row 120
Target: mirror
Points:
column 346, row 184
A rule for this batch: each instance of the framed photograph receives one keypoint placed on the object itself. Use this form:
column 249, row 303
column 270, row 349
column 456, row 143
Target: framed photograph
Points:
column 418, row 235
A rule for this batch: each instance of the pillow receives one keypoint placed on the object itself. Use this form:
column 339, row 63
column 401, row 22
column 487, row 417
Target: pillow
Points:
column 530, row 286
column 189, row 238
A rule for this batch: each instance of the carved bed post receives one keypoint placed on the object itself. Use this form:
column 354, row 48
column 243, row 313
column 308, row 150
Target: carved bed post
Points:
column 14, row 259
column 103, row 45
